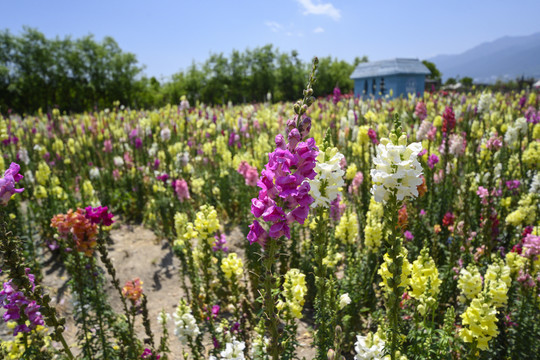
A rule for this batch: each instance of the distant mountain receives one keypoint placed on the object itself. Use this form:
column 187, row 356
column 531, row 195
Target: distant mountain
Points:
column 506, row 58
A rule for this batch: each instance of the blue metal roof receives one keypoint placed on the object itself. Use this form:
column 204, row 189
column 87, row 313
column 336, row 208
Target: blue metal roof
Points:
column 389, row 67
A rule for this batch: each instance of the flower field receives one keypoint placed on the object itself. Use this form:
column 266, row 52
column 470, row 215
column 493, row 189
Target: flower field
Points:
column 392, row 228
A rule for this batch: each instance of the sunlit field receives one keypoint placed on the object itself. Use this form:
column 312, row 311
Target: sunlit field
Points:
column 337, row 227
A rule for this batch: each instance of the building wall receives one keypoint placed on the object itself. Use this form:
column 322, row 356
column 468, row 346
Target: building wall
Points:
column 401, row 84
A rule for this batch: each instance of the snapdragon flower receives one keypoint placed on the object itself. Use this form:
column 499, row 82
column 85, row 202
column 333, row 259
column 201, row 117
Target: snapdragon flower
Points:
column 7, row 183
column 369, row 347
column 425, row 281
column 233, row 351
column 480, row 323
column 284, row 196
column 231, row 266
column 396, row 170
column 185, row 325
column 294, row 292
column 470, row 283
column 329, row 179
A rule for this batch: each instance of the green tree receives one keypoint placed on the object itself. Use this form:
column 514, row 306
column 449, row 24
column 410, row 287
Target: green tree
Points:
column 435, row 74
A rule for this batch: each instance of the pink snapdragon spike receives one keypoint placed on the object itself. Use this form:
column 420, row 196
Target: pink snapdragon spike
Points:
column 284, row 195
column 531, row 245
column 7, row 183
column 181, row 189
column 250, row 173
column 420, row 110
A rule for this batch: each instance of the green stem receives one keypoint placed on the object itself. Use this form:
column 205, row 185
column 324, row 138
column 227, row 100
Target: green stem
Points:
column 269, row 299
column 395, row 268
column 99, row 311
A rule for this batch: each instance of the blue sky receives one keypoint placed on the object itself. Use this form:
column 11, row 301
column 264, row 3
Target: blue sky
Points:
column 168, row 35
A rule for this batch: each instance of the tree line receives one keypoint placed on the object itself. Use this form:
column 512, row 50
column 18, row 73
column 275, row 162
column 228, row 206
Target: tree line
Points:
column 85, row 74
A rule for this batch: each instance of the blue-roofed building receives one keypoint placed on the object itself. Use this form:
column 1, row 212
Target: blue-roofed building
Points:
column 401, row 76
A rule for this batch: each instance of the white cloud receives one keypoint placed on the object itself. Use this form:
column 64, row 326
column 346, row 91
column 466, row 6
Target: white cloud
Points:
column 320, row 9
column 318, row 30
column 274, row 26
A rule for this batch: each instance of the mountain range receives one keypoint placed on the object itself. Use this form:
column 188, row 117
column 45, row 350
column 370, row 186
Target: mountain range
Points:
column 506, row 58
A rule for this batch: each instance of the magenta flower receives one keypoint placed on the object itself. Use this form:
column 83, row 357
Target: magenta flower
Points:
column 284, row 195
column 99, row 215
column 449, row 120
column 432, row 160
column 373, row 136
column 7, row 183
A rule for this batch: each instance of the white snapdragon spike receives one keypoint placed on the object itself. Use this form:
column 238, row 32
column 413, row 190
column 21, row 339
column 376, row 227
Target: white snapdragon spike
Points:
column 118, row 161
column 396, row 169
column 233, row 351
column 258, row 348
column 535, row 184
column 369, row 348
column 165, row 134
column 516, row 131
column 23, row 156
column 94, row 173
column 329, row 179
column 484, row 102
column 163, row 318
column 185, row 325
column 153, row 150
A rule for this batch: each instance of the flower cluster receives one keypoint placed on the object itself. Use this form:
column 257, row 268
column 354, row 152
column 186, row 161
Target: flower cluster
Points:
column 148, row 354
column 19, row 308
column 206, row 222
column 396, row 170
column 7, row 183
column 385, row 273
column 181, row 189
column 232, row 266
column 283, row 184
column 133, row 290
column 373, row 231
column 369, row 347
column 99, row 215
column 233, row 351
column 347, row 229
column 497, row 282
column 81, row 228
column 185, row 325
column 326, row 185
column 294, row 292
column 425, row 281
column 469, row 282
column 250, row 173
column 480, row 323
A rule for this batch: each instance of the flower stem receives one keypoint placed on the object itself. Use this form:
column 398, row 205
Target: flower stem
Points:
column 395, row 268
column 269, row 298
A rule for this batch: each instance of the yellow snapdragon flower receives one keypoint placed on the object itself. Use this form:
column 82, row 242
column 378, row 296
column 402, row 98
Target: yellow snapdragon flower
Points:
column 232, row 266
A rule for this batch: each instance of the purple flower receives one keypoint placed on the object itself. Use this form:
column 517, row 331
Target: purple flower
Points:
column 284, row 195
column 408, row 235
column 256, row 234
column 432, row 160
column 220, row 243
column 7, row 183
column 513, row 184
